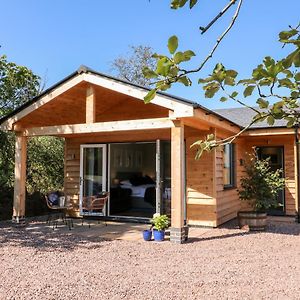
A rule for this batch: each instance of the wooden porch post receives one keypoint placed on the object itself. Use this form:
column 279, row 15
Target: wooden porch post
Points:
column 20, row 178
column 177, row 183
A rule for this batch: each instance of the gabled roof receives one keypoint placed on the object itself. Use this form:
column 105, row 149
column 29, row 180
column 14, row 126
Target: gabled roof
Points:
column 240, row 117
column 86, row 70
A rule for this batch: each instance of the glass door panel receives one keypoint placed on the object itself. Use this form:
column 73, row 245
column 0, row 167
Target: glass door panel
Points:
column 92, row 173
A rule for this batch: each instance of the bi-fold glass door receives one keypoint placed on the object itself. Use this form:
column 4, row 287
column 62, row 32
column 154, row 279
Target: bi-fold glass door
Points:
column 93, row 173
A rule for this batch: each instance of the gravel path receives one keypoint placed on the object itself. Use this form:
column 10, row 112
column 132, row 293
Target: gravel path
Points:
column 225, row 263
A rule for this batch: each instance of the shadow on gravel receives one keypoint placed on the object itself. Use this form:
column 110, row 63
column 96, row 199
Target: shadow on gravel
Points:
column 42, row 238
column 218, row 237
column 273, row 228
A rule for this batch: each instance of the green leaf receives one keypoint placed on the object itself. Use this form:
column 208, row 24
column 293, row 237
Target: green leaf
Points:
column 297, row 77
column 270, row 120
column 157, row 56
column 150, row 96
column 249, row 90
column 262, row 103
column 163, row 66
column 247, row 81
column 173, row 44
column 285, row 82
column 211, row 89
column 185, row 80
column 295, row 95
column 219, row 67
column 148, row 73
column 229, row 81
column 223, row 99
column 204, row 80
column 284, row 35
column 291, row 122
column 231, row 73
column 178, row 3
column 188, row 54
column 193, row 3
column 234, row 94
column 183, row 56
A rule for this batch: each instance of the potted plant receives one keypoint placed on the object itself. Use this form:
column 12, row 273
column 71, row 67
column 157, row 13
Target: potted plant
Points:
column 147, row 234
column 160, row 223
column 260, row 188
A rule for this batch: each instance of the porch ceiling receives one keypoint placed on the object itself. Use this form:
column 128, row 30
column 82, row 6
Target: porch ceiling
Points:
column 70, row 108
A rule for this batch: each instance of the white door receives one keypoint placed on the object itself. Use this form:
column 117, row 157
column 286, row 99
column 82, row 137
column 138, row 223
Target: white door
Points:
column 93, row 177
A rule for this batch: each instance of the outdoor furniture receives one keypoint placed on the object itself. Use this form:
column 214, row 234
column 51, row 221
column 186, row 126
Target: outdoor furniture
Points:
column 58, row 204
column 93, row 205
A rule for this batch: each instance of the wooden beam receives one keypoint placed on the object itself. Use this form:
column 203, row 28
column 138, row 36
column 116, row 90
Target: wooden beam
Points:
column 90, row 111
column 215, row 121
column 142, row 124
column 196, row 123
column 20, row 178
column 177, row 176
column 269, row 131
column 8, row 124
column 179, row 108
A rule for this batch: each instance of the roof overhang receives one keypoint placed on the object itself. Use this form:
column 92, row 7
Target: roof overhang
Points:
column 178, row 107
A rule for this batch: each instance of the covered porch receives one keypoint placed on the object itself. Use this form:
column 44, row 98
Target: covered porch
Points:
column 86, row 109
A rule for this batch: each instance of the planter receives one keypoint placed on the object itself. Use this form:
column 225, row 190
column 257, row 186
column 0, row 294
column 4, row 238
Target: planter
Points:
column 159, row 235
column 147, row 235
column 255, row 220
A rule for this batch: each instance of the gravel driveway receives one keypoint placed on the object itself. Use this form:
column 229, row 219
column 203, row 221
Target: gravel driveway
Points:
column 225, row 263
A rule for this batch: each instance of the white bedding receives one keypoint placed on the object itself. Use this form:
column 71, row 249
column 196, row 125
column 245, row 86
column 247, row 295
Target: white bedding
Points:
column 138, row 191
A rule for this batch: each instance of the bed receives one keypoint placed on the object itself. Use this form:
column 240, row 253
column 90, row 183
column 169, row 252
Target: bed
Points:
column 142, row 188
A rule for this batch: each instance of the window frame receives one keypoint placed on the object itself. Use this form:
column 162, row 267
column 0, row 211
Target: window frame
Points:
column 232, row 172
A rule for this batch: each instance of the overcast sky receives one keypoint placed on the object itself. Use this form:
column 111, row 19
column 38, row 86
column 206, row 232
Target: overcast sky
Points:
column 54, row 37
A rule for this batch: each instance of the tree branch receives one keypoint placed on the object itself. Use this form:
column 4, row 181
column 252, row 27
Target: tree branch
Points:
column 239, row 101
column 221, row 37
column 221, row 13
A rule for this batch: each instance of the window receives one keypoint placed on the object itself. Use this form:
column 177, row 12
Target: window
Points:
column 228, row 171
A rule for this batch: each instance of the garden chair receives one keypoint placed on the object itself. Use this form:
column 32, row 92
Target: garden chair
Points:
column 94, row 204
column 58, row 204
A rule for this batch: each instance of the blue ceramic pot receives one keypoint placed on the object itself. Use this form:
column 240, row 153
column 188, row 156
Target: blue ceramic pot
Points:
column 159, row 235
column 147, row 234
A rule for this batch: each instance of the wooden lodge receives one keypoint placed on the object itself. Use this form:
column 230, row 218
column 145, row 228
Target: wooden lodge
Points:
column 141, row 153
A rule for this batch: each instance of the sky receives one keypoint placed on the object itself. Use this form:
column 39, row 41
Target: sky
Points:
column 53, row 38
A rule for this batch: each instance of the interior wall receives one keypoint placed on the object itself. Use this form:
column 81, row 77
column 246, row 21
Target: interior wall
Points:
column 143, row 159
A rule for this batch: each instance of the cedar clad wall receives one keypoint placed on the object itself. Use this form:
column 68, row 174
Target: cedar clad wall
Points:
column 72, row 173
column 200, row 183
column 228, row 203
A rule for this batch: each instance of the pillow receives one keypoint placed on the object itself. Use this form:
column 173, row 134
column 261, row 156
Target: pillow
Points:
column 53, row 198
column 126, row 182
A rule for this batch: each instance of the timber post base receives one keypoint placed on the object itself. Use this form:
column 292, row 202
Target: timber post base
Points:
column 18, row 220
column 178, row 235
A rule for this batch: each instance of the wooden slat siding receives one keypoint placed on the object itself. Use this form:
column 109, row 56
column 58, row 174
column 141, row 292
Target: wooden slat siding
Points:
column 289, row 168
column 201, row 205
column 72, row 174
column 228, row 203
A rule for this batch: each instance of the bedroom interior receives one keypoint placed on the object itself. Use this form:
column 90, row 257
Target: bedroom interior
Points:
column 132, row 179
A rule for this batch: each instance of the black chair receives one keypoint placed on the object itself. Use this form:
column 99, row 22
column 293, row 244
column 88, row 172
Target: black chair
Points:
column 58, row 204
